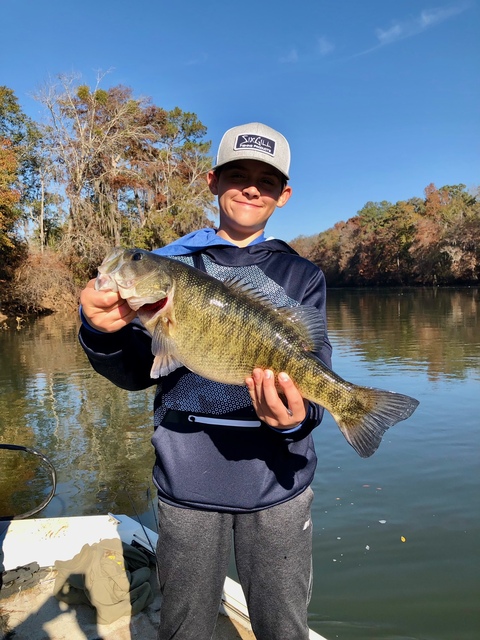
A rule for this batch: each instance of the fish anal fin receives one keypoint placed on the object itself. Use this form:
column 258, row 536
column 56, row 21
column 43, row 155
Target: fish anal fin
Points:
column 370, row 414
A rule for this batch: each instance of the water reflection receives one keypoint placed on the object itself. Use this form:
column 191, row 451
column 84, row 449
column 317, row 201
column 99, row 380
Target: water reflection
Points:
column 437, row 330
column 96, row 435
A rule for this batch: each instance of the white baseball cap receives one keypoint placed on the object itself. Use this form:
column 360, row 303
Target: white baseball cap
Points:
column 255, row 141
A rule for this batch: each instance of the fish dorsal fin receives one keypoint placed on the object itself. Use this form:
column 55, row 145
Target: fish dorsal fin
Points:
column 308, row 321
column 239, row 285
column 309, row 324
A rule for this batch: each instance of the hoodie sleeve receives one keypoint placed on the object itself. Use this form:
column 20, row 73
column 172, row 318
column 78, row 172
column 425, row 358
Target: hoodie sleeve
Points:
column 125, row 357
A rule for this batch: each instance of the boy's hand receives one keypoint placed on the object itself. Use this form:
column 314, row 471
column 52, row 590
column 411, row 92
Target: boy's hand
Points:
column 105, row 310
column 268, row 404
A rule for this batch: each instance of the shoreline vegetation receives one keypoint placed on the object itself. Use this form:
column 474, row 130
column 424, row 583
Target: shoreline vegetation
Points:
column 105, row 168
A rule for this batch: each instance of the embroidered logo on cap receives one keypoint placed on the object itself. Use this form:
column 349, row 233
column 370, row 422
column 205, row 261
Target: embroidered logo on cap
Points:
column 254, row 141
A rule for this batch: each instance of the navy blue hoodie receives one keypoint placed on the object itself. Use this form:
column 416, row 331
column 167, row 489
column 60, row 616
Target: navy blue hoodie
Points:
column 212, row 452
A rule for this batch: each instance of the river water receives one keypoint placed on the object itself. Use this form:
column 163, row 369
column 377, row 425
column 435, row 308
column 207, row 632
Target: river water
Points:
column 396, row 536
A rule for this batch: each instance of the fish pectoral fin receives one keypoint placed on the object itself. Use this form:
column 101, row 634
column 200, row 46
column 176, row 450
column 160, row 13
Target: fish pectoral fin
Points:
column 163, row 365
column 162, row 343
column 163, row 348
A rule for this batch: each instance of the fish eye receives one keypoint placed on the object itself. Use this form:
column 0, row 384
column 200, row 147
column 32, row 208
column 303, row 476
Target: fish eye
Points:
column 137, row 256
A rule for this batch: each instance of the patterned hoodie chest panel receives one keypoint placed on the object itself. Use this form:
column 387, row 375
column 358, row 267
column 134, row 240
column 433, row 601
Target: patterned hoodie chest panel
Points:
column 254, row 276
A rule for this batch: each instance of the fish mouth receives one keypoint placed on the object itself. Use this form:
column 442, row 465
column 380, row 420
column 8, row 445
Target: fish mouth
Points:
column 153, row 307
column 105, row 282
column 146, row 304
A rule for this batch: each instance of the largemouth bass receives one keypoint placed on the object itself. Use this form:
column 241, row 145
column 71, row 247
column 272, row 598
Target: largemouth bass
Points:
column 224, row 330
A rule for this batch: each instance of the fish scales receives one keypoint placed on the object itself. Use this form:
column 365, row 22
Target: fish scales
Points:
column 222, row 331
column 233, row 330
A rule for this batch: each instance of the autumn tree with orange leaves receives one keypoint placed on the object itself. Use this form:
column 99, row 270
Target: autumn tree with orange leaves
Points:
column 9, row 195
column 11, row 138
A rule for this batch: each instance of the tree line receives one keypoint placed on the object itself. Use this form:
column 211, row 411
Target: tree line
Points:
column 107, row 168
column 433, row 240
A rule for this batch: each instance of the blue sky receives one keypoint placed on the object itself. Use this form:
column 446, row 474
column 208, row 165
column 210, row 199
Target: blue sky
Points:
column 377, row 98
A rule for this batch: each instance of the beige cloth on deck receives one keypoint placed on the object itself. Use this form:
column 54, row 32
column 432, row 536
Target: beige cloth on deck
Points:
column 110, row 575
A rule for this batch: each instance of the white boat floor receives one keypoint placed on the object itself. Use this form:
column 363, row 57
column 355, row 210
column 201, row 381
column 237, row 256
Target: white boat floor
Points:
column 35, row 614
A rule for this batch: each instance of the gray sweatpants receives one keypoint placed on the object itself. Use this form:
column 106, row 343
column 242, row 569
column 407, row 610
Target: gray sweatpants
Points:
column 273, row 554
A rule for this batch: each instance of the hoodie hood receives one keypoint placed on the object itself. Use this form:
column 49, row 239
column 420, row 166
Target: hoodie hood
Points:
column 196, row 241
column 222, row 251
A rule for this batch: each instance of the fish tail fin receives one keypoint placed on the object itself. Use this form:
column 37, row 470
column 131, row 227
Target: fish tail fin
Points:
column 371, row 413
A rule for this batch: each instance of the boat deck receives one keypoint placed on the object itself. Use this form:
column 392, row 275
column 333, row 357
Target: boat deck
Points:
column 35, row 614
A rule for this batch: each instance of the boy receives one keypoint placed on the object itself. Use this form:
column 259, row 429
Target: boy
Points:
column 228, row 458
